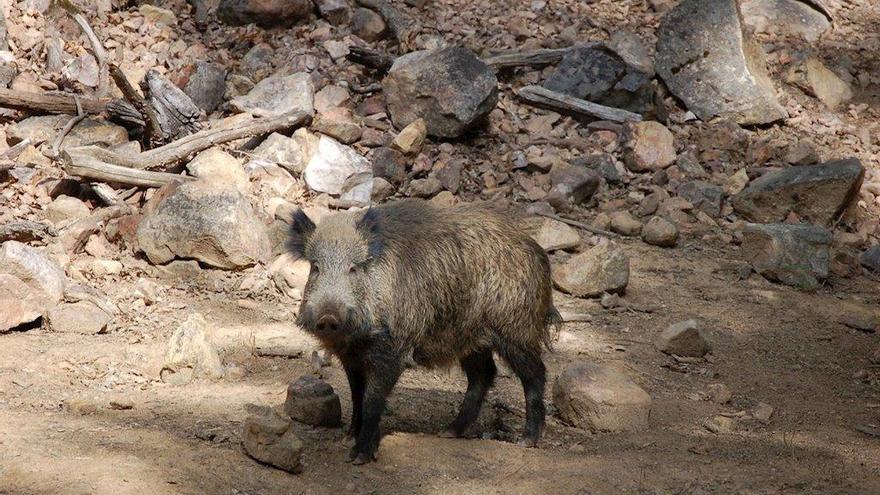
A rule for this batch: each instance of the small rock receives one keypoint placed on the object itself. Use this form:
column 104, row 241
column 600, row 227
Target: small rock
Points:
column 802, row 153
column 333, row 164
column 444, row 199
column 736, row 182
column 721, row 424
column 785, row 17
column 46, row 127
column 410, row 140
column 449, row 174
column 870, row 259
column 572, row 185
column 763, row 412
column 703, row 196
column 30, row 284
column 337, row 12
column 292, row 154
column 623, row 223
column 336, row 49
column 719, row 393
column 65, row 208
column 553, row 235
column 649, row 146
column 212, row 223
column 817, row 193
column 264, row 13
column 660, row 232
column 190, row 354
column 146, row 290
column 278, row 95
column 157, row 14
column 257, row 62
column 339, row 124
column 450, row 88
column 205, row 85
column 290, row 275
column 81, row 317
column 818, row 80
column 330, row 96
column 602, row 268
column 795, row 255
column 424, row 188
column 313, row 402
column 389, row 164
column 215, row 165
column 603, row 165
column 368, row 25
column 600, row 398
column 382, row 189
column 716, row 69
column 270, row 439
column 683, row 339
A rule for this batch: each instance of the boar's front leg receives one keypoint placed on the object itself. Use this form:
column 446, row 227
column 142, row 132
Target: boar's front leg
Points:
column 354, row 370
column 384, row 366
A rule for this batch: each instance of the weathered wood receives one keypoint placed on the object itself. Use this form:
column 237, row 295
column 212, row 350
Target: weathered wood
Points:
column 401, row 27
column 78, row 162
column 97, row 50
column 50, row 102
column 368, row 57
column 580, row 225
column 542, row 97
column 541, row 56
column 13, row 152
column 177, row 115
column 106, row 193
column 97, row 163
column 153, row 135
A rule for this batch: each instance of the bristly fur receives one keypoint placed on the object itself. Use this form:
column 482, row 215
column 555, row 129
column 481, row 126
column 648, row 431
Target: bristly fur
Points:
column 300, row 230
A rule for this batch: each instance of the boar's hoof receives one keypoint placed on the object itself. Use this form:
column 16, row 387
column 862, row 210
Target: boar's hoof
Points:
column 528, row 443
column 449, row 433
column 363, row 458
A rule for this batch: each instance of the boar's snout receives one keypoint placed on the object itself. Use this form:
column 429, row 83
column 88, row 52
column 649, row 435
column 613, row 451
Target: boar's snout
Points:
column 327, row 323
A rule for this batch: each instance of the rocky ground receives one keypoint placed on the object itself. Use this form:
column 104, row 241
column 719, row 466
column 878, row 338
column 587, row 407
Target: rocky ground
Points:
column 714, row 239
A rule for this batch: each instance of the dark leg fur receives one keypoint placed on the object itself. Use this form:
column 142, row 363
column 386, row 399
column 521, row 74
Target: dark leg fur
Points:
column 354, row 370
column 480, row 370
column 530, row 369
column 383, row 367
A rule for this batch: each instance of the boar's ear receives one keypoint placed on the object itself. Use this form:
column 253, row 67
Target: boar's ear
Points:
column 370, row 227
column 300, row 230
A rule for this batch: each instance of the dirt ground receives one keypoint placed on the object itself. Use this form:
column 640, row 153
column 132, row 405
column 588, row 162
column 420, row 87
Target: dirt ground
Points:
column 87, row 414
column 770, row 344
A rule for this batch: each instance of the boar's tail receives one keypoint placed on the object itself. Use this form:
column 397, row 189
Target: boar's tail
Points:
column 552, row 326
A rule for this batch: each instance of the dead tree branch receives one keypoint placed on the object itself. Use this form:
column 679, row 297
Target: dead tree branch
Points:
column 152, row 132
column 539, row 57
column 399, row 24
column 559, row 102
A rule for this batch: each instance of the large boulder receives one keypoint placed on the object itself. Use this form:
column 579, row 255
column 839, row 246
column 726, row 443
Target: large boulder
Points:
column 708, row 62
column 450, row 88
column 30, row 284
column 817, row 193
column 600, row 398
column 603, row 268
column 795, row 255
column 208, row 221
column 264, row 13
column 597, row 73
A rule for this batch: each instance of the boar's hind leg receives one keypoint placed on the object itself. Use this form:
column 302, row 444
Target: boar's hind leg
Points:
column 527, row 365
column 384, row 366
column 354, row 370
column 480, row 370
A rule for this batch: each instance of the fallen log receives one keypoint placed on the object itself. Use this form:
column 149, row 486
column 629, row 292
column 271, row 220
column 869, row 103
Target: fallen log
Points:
column 542, row 56
column 559, row 102
column 78, row 162
column 50, row 102
column 177, row 151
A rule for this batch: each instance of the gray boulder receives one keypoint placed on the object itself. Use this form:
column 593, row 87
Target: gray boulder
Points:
column 450, row 88
column 795, row 255
column 30, row 284
column 707, row 61
column 817, row 193
column 208, row 221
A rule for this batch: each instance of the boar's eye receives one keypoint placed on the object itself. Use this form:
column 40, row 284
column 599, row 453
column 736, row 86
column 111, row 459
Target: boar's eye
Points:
column 353, row 269
column 315, row 267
